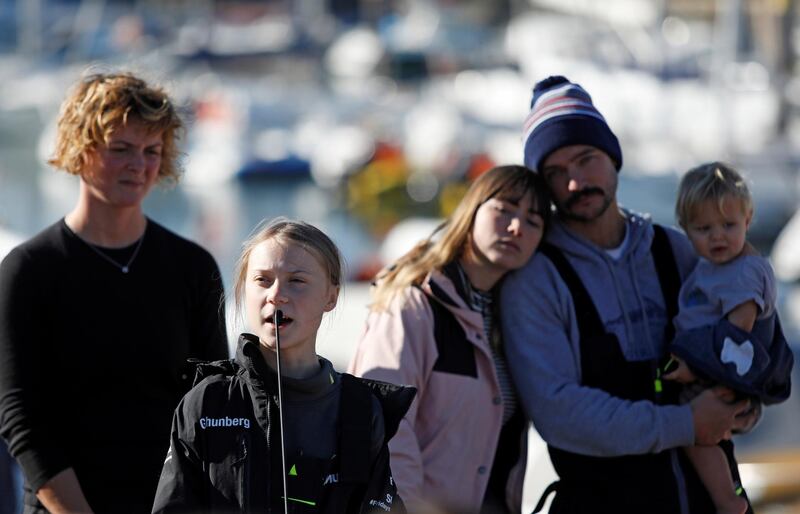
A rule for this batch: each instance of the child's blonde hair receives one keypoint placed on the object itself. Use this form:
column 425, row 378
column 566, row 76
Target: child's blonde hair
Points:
column 284, row 230
column 101, row 103
column 710, row 181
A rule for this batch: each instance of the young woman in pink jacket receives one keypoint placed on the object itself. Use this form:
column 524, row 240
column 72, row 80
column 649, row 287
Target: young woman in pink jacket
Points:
column 434, row 324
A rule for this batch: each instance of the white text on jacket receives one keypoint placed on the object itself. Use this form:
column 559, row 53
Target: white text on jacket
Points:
column 224, row 422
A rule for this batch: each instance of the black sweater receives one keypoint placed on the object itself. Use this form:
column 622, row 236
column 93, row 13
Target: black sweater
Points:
column 93, row 361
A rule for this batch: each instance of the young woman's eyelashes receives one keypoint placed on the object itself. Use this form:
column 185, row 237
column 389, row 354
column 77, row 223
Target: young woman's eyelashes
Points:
column 508, row 209
column 534, row 221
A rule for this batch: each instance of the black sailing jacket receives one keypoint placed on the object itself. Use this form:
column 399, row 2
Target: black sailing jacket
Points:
column 233, row 467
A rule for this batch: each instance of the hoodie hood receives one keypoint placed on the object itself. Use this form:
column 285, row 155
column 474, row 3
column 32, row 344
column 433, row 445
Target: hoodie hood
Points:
column 625, row 290
column 638, row 237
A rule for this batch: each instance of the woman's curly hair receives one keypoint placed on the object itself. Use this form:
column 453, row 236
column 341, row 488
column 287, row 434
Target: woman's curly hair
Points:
column 99, row 104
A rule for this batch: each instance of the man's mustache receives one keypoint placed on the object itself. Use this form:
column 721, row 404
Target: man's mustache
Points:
column 575, row 197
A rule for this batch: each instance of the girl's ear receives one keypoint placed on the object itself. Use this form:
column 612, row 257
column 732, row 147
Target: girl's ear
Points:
column 333, row 297
column 748, row 219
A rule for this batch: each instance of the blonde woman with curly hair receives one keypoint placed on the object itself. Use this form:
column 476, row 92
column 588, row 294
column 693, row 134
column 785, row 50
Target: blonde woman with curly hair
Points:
column 434, row 325
column 101, row 310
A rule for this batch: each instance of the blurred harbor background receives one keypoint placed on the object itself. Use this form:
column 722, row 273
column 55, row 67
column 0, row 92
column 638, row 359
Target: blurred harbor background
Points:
column 369, row 117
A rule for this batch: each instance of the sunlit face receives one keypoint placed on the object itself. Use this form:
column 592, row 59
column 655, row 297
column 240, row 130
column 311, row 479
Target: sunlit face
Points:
column 582, row 180
column 505, row 233
column 122, row 171
column 283, row 275
column 719, row 234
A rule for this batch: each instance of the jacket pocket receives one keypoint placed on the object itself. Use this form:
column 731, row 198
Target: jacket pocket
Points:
column 243, row 474
column 229, row 471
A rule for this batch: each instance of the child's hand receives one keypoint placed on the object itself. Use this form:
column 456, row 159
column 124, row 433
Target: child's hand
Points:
column 682, row 373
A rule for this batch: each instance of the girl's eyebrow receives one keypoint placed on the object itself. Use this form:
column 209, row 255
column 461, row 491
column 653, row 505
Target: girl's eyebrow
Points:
column 515, row 202
column 290, row 272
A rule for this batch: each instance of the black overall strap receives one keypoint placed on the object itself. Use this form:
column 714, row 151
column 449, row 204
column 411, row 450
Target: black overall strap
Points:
column 588, row 318
column 668, row 275
column 670, row 280
column 355, row 430
column 586, row 313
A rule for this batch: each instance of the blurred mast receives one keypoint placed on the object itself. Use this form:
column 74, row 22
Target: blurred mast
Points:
column 29, row 27
column 760, row 31
column 785, row 62
column 87, row 20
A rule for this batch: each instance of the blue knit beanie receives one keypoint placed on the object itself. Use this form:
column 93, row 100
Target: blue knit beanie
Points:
column 562, row 114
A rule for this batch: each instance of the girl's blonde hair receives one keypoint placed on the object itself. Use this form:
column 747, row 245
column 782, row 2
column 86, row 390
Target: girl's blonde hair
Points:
column 710, row 181
column 507, row 182
column 101, row 103
column 284, row 230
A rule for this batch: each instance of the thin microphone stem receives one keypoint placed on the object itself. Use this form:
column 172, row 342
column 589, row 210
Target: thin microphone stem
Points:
column 278, row 319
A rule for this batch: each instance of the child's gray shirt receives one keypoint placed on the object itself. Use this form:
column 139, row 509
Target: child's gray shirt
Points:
column 713, row 290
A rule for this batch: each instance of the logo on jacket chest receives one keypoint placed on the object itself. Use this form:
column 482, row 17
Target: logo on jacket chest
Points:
column 206, row 422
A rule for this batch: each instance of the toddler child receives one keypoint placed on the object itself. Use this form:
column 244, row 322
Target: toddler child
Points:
column 727, row 328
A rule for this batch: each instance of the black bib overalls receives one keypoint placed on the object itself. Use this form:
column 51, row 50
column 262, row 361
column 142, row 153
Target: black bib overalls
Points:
column 631, row 484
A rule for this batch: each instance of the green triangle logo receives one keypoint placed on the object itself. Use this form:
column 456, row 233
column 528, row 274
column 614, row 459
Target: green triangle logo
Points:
column 293, row 471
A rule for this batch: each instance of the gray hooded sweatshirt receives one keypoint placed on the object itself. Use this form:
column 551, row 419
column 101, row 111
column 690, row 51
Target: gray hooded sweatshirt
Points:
column 542, row 343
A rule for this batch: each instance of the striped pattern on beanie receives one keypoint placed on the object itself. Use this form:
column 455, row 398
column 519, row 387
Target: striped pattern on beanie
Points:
column 563, row 114
column 567, row 100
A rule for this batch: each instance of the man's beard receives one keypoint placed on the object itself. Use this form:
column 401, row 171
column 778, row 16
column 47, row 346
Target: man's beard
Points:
column 565, row 208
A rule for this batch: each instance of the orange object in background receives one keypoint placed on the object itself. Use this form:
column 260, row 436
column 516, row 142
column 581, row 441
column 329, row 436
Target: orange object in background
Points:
column 772, row 480
column 479, row 164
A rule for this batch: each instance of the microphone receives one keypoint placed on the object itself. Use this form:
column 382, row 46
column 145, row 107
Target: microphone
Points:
column 278, row 317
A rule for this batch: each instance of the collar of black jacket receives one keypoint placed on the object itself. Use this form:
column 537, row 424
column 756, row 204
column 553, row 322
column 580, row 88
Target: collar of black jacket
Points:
column 248, row 354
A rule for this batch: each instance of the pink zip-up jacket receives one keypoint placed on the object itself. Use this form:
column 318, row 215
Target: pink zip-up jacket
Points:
column 443, row 452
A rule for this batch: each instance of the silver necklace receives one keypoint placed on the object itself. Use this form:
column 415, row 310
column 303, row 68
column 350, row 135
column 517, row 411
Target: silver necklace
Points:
column 122, row 268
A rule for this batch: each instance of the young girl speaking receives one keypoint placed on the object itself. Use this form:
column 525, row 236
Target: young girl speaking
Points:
column 225, row 449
